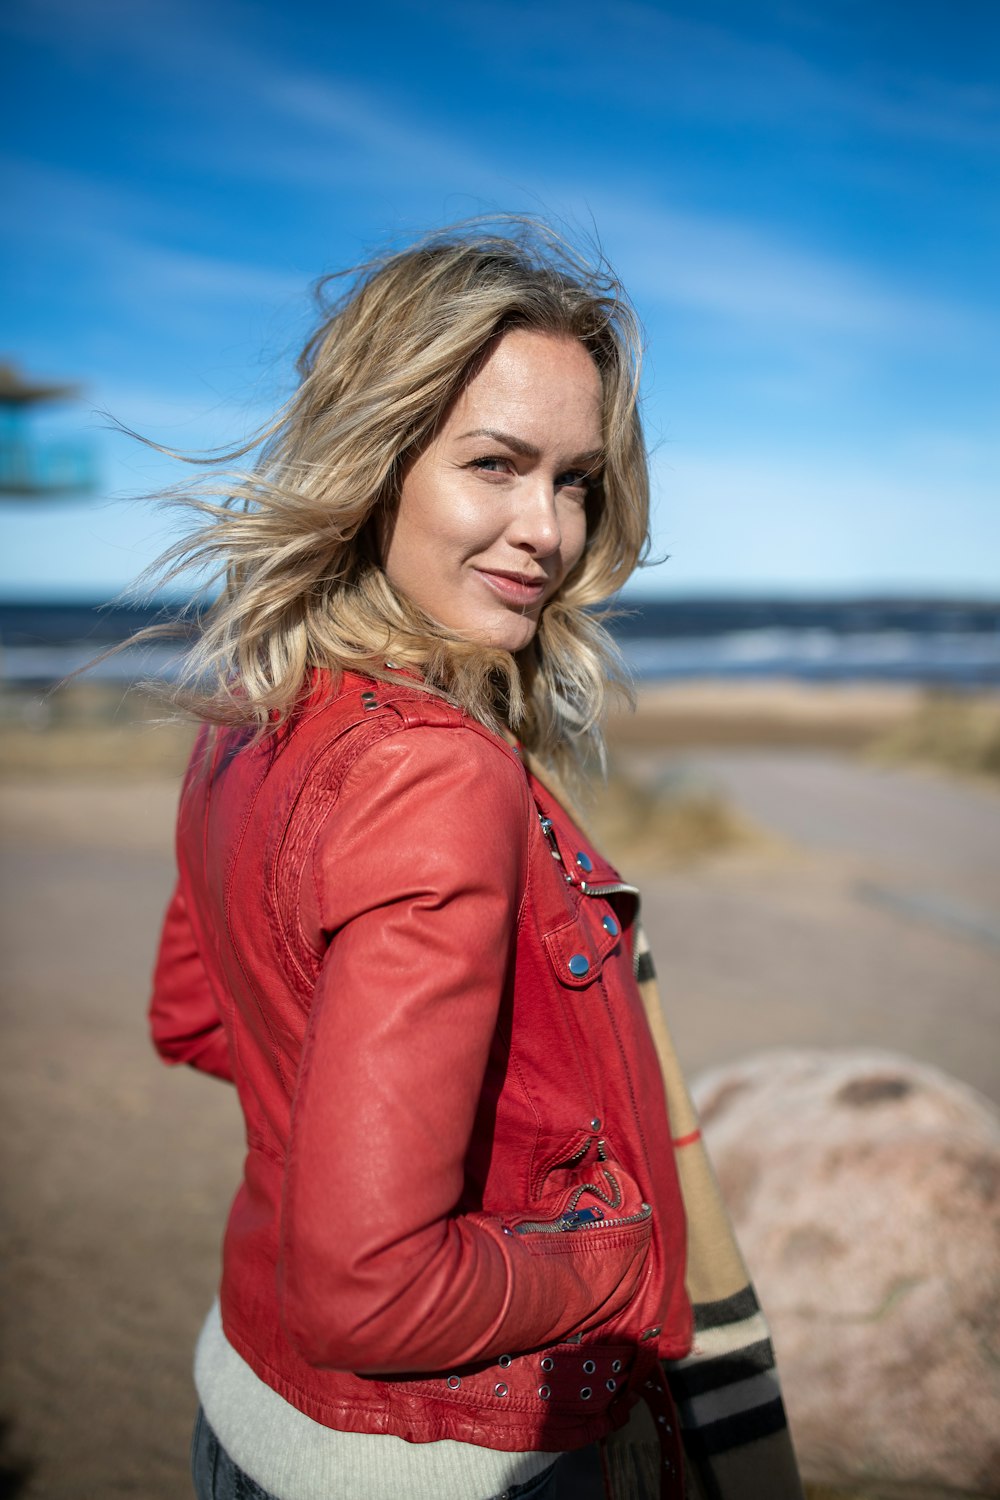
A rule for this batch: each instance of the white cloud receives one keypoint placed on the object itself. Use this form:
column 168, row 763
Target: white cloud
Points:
column 329, row 129
column 117, row 230
column 931, row 109
column 183, row 273
column 737, row 269
column 734, row 74
column 364, row 121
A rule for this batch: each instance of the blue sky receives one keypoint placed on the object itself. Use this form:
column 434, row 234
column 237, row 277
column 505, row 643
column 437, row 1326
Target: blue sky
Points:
column 802, row 198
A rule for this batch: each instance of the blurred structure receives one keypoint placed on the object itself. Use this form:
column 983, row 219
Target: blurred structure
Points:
column 33, row 467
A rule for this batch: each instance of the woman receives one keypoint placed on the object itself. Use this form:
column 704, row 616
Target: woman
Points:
column 457, row 1257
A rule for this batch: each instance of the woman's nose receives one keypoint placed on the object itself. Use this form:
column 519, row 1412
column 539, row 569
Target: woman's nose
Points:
column 535, row 525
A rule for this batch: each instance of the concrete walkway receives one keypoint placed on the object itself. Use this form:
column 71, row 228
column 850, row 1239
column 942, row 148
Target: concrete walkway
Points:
column 874, row 919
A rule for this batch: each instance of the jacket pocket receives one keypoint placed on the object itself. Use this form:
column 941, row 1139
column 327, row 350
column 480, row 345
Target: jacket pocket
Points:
column 592, row 1206
column 581, row 1190
column 577, row 949
column 588, row 1206
column 597, row 919
column 609, row 1254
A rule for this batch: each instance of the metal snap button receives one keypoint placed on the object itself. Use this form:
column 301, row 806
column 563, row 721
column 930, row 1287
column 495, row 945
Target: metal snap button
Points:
column 595, row 1123
column 548, row 1364
column 610, row 925
column 545, row 1391
column 579, row 964
column 505, row 1360
column 585, row 1393
column 585, row 862
column 589, row 1367
column 454, row 1381
column 500, row 1389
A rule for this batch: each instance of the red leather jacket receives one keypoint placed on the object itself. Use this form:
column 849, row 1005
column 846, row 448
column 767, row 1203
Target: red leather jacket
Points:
column 459, row 1216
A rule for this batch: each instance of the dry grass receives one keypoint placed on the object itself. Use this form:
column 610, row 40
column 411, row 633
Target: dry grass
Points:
column 832, row 716
column 88, row 729
column 956, row 731
column 667, row 822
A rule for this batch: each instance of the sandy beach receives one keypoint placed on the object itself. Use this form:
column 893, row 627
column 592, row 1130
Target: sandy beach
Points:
column 853, row 903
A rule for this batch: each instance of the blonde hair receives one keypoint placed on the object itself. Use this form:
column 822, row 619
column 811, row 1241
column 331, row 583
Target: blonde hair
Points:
column 292, row 539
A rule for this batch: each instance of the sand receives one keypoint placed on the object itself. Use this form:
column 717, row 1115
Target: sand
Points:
column 863, row 907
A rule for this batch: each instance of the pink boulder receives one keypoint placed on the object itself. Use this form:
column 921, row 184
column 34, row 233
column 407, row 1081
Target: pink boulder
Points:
column 865, row 1188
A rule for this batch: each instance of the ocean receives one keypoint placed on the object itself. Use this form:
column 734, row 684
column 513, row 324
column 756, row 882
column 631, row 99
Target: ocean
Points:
column 936, row 642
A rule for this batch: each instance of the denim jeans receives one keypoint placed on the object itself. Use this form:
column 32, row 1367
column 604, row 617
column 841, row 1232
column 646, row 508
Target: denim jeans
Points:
column 576, row 1476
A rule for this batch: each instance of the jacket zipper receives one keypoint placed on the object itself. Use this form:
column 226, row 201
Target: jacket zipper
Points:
column 613, row 888
column 578, row 1155
column 617, row 888
column 572, row 1218
column 581, row 1218
column 571, row 1221
column 550, row 838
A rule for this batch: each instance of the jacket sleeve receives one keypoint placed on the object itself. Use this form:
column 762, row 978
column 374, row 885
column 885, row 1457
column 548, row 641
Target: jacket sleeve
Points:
column 420, row 872
column 183, row 1014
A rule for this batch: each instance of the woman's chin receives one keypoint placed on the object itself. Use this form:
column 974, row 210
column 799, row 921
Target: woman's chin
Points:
column 511, row 635
column 502, row 630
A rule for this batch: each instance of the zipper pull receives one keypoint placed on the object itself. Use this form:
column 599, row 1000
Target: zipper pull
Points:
column 550, row 837
column 577, row 1218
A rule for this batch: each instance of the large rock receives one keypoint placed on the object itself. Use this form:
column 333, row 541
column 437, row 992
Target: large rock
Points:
column 865, row 1188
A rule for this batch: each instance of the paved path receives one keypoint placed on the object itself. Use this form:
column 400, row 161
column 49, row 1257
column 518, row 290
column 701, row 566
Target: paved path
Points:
column 928, row 835
column 877, row 923
column 117, row 1171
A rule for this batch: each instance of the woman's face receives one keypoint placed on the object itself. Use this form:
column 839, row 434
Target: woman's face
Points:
column 492, row 512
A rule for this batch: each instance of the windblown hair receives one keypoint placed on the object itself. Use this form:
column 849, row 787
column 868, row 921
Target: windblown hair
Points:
column 293, row 541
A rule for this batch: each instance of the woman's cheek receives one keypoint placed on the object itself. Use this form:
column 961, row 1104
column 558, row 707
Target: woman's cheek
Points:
column 575, row 537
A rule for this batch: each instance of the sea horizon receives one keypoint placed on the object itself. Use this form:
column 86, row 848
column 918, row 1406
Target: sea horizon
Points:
column 943, row 641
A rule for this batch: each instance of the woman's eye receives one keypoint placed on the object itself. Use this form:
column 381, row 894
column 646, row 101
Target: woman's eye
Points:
column 491, row 465
column 500, row 463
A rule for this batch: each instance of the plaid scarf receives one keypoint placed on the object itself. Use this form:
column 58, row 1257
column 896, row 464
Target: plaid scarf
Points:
column 726, row 1391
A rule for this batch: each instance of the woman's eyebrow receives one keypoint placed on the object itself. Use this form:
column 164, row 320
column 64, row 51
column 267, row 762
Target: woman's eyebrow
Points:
column 516, row 444
column 524, row 449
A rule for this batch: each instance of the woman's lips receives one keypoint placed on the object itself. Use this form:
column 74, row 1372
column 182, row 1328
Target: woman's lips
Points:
column 514, row 588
